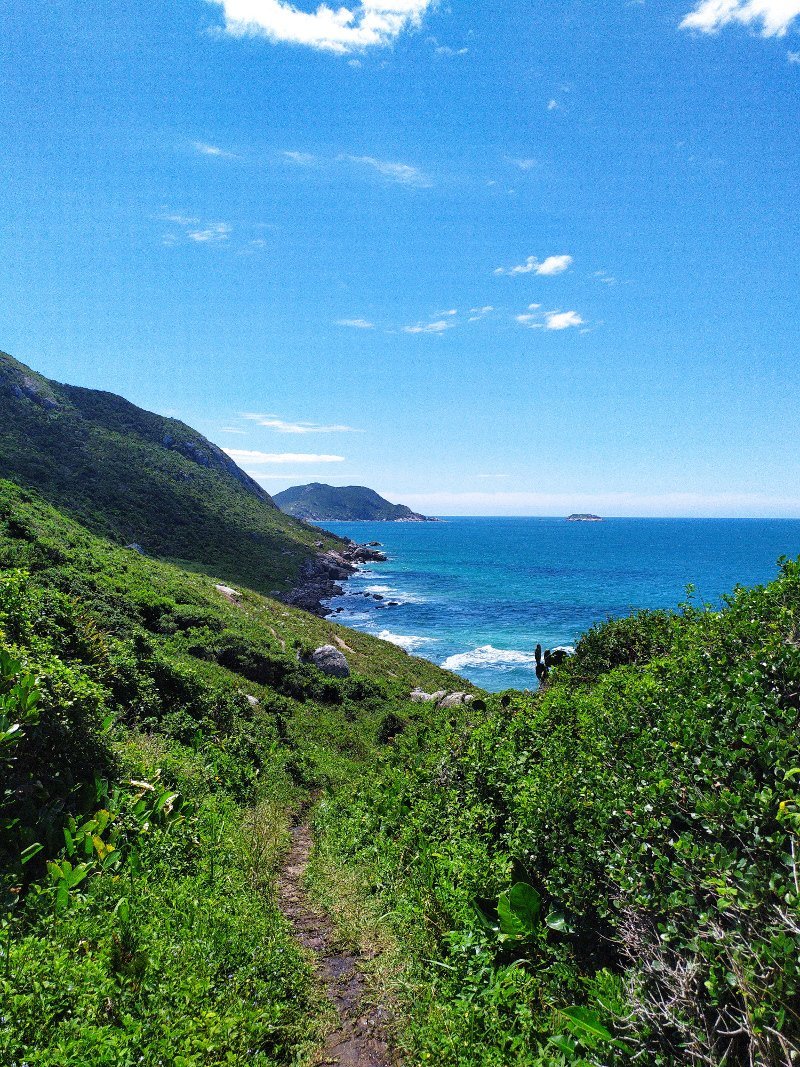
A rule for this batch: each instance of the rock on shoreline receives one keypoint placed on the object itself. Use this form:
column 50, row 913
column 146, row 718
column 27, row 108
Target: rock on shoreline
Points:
column 320, row 576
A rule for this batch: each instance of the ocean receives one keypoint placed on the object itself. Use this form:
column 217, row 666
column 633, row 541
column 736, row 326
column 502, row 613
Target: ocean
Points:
column 477, row 594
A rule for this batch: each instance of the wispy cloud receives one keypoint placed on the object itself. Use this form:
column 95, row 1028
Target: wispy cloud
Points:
column 272, row 422
column 305, row 159
column 549, row 320
column 212, row 150
column 475, row 314
column 367, row 24
column 232, row 429
column 402, row 173
column 604, row 277
column 523, row 164
column 445, row 49
column 249, row 456
column 773, row 16
column 552, row 105
column 211, row 231
column 429, row 327
column 793, row 57
column 189, row 228
column 356, row 324
column 549, row 266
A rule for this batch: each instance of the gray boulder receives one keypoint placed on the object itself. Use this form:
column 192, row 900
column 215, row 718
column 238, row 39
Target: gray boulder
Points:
column 421, row 697
column 452, row 700
column 330, row 661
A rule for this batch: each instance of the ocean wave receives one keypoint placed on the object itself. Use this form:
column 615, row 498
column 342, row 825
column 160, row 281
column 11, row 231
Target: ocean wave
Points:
column 403, row 641
column 378, row 589
column 501, row 659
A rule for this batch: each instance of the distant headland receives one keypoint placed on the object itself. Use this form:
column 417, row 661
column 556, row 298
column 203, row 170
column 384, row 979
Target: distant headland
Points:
column 584, row 517
column 316, row 502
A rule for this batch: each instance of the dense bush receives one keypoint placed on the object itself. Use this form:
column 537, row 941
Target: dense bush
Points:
column 644, row 803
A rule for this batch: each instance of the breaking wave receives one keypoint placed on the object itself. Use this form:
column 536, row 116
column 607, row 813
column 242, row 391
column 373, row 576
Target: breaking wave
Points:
column 403, row 641
column 501, row 659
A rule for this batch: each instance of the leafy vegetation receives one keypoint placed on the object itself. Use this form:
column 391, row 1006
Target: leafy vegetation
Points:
column 155, row 739
column 605, row 871
column 139, row 478
column 601, row 873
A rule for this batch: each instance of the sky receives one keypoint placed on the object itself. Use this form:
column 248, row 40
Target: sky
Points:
column 484, row 257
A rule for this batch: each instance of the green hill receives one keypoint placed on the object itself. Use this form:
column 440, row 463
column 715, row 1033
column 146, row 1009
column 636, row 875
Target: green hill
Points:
column 137, row 477
column 316, row 502
column 157, row 734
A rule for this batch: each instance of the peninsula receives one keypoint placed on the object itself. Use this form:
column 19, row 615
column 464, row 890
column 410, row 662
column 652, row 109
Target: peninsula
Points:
column 317, row 502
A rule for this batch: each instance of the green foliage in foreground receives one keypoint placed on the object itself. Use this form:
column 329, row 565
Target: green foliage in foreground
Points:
column 599, row 874
column 155, row 739
column 607, row 871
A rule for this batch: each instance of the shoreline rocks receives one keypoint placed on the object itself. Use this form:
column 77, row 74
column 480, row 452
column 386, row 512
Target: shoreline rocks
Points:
column 320, row 576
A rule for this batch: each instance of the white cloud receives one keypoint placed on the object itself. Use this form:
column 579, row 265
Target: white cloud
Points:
column 346, row 29
column 552, row 105
column 356, row 324
column 402, row 173
column 194, row 229
column 305, row 159
column 476, row 314
column 774, row 16
column 605, row 277
column 548, row 267
column 245, row 455
column 524, row 164
column 562, row 320
column 211, row 150
column 232, row 429
column 429, row 327
column 793, row 57
column 211, row 231
column 272, row 422
column 549, row 320
column 441, row 314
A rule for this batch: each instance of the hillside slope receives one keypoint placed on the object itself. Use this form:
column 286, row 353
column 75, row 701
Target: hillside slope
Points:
column 157, row 735
column 317, row 502
column 138, row 477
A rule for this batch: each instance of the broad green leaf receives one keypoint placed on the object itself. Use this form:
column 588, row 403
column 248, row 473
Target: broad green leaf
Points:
column 586, row 1022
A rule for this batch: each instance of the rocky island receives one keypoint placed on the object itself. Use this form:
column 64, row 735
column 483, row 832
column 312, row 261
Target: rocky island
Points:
column 583, row 517
column 317, row 502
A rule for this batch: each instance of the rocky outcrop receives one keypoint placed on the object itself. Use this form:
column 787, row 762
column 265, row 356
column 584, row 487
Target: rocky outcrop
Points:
column 320, row 576
column 330, row 661
column 441, row 698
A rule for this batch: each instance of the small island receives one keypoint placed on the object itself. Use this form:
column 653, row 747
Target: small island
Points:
column 583, row 517
column 345, row 503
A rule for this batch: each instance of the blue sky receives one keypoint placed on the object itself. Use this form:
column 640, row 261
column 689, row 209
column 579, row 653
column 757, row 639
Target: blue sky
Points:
column 488, row 258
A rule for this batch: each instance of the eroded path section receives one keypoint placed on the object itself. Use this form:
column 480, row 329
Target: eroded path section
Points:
column 359, row 1040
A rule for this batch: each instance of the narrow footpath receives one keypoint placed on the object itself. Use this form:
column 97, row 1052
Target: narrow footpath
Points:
column 359, row 1039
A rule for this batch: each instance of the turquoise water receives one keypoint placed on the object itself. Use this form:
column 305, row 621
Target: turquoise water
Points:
column 477, row 594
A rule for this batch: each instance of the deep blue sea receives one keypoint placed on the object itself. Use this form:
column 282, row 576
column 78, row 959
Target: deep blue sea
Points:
column 476, row 594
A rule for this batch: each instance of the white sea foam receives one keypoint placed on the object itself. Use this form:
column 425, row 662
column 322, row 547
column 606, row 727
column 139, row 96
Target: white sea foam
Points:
column 378, row 589
column 404, row 641
column 501, row 659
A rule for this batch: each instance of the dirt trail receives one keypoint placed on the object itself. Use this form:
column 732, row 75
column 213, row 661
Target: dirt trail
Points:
column 359, row 1039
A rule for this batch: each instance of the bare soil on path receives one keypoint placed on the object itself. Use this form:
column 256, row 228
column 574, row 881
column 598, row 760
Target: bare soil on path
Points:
column 359, row 1039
